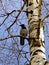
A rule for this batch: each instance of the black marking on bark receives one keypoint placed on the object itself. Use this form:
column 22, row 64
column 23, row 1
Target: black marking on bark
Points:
column 30, row 3
column 36, row 52
column 45, row 62
column 34, row 43
column 44, row 58
column 30, row 52
column 31, row 58
column 38, row 30
column 37, row 1
column 37, row 61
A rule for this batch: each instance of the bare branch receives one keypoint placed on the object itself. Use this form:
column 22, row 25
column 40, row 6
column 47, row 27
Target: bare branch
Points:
column 16, row 16
column 45, row 17
column 12, row 36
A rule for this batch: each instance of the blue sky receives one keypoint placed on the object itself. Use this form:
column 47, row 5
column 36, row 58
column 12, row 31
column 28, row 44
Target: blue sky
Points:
column 10, row 5
column 46, row 28
column 9, row 48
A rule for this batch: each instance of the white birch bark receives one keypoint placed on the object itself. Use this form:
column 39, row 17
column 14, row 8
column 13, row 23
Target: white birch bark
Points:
column 36, row 31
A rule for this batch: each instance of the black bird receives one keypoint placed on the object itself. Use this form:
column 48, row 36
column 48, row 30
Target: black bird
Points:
column 23, row 33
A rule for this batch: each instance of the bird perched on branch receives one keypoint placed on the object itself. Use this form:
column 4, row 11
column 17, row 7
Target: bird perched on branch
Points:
column 23, row 33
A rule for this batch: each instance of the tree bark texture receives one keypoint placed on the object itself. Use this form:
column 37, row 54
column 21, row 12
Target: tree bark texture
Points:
column 36, row 32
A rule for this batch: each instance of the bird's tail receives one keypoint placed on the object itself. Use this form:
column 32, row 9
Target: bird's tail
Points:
column 21, row 41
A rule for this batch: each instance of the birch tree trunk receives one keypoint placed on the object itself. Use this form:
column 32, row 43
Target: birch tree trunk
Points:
column 37, row 50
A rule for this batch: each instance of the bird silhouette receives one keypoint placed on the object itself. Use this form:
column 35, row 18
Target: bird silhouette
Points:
column 23, row 33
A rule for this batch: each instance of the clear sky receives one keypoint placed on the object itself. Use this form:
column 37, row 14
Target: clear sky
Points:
column 8, row 54
column 46, row 27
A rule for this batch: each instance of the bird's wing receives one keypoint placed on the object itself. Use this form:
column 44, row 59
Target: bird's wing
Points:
column 23, row 32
